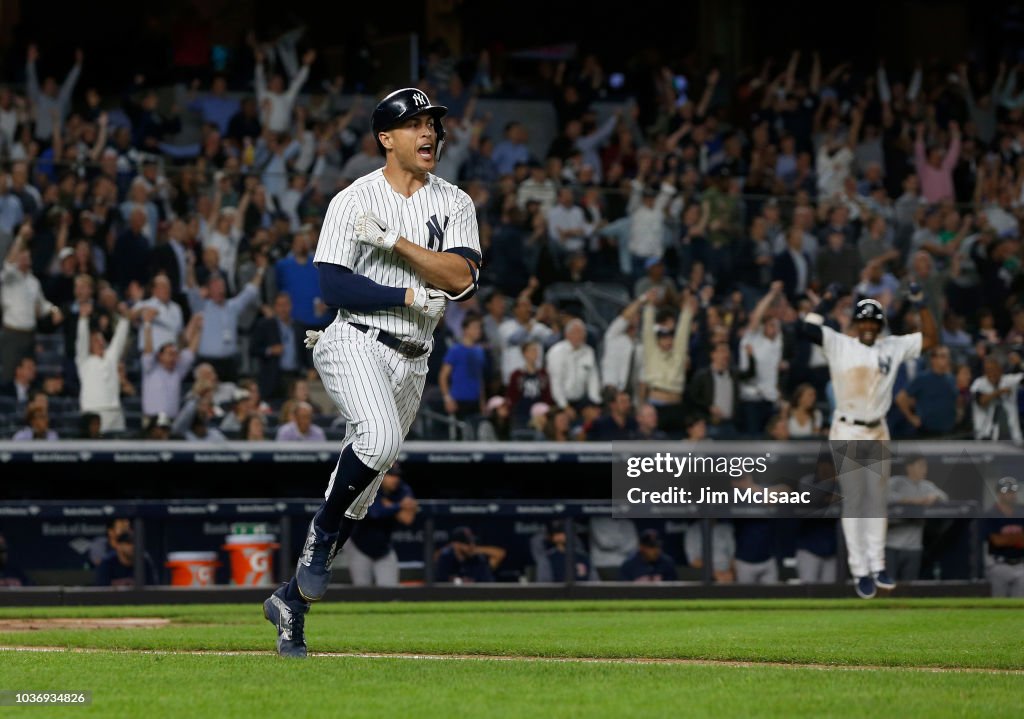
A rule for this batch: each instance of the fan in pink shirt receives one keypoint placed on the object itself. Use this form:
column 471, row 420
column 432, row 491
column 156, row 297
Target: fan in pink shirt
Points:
column 936, row 168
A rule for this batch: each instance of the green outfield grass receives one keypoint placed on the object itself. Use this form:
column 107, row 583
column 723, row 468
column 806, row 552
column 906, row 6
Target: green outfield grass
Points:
column 899, row 637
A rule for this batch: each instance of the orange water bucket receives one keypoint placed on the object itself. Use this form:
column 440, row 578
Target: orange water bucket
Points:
column 252, row 558
column 192, row 569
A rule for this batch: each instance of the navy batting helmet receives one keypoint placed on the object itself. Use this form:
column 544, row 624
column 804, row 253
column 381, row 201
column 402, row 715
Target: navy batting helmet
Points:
column 401, row 105
column 869, row 310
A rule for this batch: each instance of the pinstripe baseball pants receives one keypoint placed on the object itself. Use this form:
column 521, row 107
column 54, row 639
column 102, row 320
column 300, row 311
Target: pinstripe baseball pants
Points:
column 377, row 391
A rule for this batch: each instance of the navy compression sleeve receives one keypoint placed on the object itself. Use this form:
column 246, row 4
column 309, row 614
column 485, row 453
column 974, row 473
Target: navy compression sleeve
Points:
column 343, row 289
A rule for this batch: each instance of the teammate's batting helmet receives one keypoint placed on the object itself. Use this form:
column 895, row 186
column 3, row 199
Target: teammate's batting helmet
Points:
column 401, row 105
column 869, row 310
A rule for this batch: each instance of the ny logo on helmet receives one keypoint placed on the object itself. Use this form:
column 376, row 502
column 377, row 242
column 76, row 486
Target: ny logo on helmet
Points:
column 436, row 231
column 419, row 99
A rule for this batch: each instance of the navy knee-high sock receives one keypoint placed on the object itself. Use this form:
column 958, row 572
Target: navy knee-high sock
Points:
column 351, row 479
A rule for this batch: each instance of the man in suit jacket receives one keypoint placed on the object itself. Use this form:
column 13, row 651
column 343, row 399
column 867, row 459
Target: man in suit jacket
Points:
column 171, row 258
column 793, row 266
column 277, row 346
column 713, row 393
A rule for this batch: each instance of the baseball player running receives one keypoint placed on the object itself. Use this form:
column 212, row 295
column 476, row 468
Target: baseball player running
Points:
column 395, row 246
column 863, row 371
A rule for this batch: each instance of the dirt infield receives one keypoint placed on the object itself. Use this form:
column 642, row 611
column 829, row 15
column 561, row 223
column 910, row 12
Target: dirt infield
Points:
column 538, row 659
column 35, row 625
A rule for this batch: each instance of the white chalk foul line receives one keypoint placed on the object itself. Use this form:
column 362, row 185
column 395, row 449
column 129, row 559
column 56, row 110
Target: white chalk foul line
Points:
column 532, row 659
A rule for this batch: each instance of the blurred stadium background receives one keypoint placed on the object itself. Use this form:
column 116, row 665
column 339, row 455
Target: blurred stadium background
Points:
column 702, row 150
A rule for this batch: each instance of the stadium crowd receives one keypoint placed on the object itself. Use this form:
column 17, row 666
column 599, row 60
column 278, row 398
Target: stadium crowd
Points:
column 158, row 289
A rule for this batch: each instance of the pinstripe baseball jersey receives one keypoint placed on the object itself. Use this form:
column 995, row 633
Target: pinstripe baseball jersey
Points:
column 439, row 216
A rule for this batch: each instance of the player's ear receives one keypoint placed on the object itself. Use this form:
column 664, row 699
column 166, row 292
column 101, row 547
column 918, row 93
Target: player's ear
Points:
column 385, row 140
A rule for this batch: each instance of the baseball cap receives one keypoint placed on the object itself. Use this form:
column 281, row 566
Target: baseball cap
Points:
column 494, row 402
column 539, row 409
column 65, row 253
column 396, row 469
column 1007, row 485
column 650, row 538
column 651, row 262
column 464, row 535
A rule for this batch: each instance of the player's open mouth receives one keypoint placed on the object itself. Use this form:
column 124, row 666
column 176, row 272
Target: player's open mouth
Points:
column 426, row 151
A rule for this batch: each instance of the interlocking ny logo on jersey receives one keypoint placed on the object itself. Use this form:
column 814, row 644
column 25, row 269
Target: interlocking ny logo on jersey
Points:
column 436, row 231
column 884, row 365
column 420, row 99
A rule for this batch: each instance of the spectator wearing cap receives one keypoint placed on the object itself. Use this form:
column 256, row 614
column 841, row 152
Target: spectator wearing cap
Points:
column 218, row 343
column 929, row 401
column 277, row 349
column 37, row 421
column 649, row 563
column 935, row 169
column 117, row 568
column 666, row 340
column 551, row 565
column 994, row 410
column 157, row 427
column 60, row 285
column 301, row 427
column 164, row 367
column 572, row 366
column 646, row 212
column 656, row 279
column 97, row 363
column 463, row 372
column 463, row 561
column 372, row 560
column 904, row 543
column 1004, row 532
column 497, row 423
column 22, row 304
